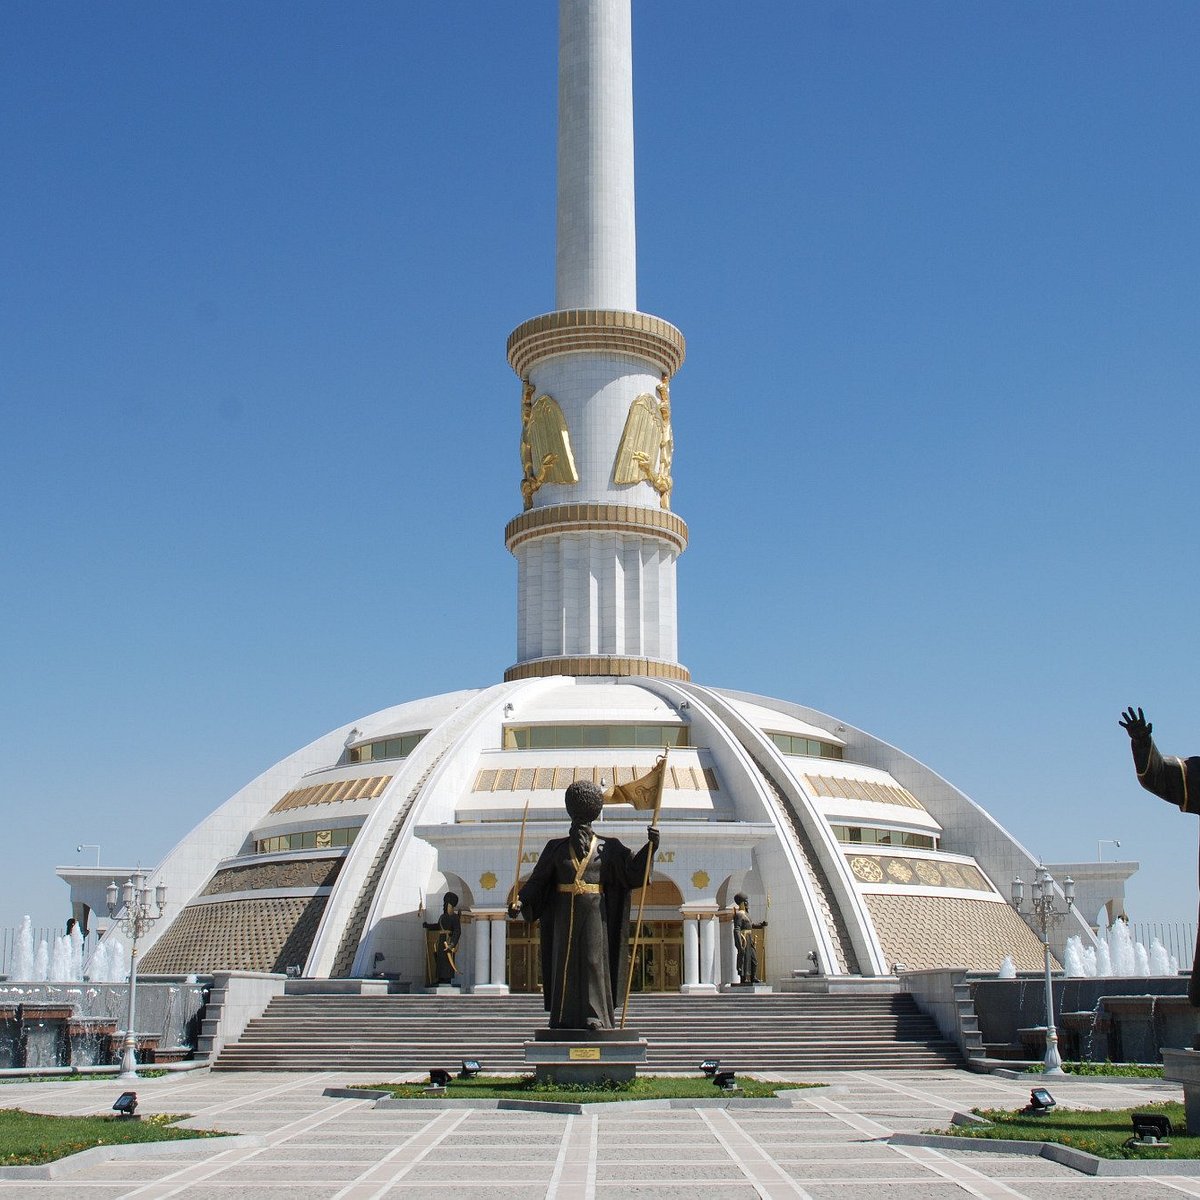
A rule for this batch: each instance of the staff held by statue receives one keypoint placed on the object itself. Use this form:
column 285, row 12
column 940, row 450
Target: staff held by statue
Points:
column 643, row 793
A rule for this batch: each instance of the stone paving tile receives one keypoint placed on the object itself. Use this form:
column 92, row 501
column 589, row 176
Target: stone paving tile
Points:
column 934, row 1190
column 846, row 1172
column 431, row 1172
column 663, row 1172
column 1099, row 1189
column 657, row 1191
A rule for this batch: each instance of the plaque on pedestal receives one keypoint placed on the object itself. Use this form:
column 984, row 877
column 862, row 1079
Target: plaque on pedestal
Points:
column 585, row 1055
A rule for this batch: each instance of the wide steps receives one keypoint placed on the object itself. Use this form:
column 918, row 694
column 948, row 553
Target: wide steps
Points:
column 778, row 1032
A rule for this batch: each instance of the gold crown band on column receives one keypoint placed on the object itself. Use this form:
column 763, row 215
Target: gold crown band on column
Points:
column 608, row 518
column 596, row 330
column 597, row 664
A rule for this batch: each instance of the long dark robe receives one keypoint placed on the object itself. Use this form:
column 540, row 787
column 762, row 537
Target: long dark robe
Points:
column 747, row 952
column 444, row 946
column 585, row 952
column 1176, row 780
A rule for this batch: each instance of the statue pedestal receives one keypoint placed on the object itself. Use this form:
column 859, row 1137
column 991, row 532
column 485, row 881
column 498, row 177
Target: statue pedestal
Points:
column 1183, row 1066
column 751, row 989
column 585, row 1055
column 444, row 989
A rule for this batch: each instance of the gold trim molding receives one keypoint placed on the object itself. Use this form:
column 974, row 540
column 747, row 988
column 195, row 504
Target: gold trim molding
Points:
column 578, row 518
column 597, row 664
column 581, row 329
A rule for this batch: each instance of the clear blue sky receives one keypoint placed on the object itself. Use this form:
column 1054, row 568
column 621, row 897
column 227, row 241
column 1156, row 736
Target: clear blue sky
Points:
column 937, row 264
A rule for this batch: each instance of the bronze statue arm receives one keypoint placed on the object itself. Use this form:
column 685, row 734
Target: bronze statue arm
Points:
column 1175, row 780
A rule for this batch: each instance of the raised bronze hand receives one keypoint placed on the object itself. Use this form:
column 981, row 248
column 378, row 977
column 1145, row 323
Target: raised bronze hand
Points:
column 1136, row 725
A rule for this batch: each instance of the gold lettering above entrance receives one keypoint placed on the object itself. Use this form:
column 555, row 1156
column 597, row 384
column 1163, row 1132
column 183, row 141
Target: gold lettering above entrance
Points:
column 586, row 1053
column 665, row 856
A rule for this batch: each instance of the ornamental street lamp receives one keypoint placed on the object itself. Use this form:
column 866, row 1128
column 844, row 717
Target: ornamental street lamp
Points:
column 135, row 919
column 1045, row 914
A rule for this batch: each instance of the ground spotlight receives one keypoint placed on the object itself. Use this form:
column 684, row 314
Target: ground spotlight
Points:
column 1149, row 1129
column 709, row 1066
column 470, row 1068
column 438, row 1077
column 725, row 1080
column 126, row 1104
column 1040, row 1101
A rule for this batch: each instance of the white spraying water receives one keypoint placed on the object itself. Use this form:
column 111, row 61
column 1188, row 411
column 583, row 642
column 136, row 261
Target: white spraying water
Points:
column 1141, row 958
column 23, row 966
column 1160, row 960
column 1008, row 969
column 118, row 962
column 97, row 965
column 1116, row 953
column 1103, row 959
column 60, row 961
column 1073, row 962
column 41, row 962
column 76, row 939
column 1120, row 947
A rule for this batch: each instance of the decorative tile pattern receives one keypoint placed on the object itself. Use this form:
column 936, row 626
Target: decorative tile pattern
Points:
column 916, row 872
column 238, row 935
column 296, row 873
column 923, row 931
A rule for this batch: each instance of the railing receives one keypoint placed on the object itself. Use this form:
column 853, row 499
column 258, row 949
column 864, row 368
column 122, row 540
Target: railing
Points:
column 1179, row 937
column 10, row 939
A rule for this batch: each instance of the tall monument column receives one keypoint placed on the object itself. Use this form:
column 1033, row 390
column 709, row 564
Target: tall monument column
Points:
column 597, row 541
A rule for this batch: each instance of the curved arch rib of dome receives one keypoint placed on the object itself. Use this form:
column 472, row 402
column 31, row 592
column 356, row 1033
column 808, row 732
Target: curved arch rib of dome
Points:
column 722, row 727
column 189, row 866
column 967, row 828
column 355, row 876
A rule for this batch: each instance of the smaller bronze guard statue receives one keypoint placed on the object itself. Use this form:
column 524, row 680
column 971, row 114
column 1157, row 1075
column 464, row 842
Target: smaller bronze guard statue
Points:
column 743, row 940
column 1176, row 780
column 449, row 927
column 580, row 891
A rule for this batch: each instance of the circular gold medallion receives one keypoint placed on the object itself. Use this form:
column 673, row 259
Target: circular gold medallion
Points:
column 899, row 870
column 928, row 873
column 867, row 869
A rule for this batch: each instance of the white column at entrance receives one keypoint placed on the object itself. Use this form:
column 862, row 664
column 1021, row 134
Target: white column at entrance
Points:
column 482, row 958
column 691, row 954
column 490, row 946
column 708, row 947
column 699, row 946
column 498, row 981
column 728, row 951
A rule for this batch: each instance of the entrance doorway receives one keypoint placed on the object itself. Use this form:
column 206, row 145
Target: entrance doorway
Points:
column 657, row 966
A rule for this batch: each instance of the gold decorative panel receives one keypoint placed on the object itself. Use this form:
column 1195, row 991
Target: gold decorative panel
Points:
column 835, row 787
column 917, row 872
column 270, row 934
column 367, row 788
column 597, row 518
column 298, row 873
column 923, row 932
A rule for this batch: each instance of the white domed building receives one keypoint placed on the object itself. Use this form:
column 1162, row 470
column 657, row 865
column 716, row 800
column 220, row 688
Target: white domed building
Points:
column 859, row 857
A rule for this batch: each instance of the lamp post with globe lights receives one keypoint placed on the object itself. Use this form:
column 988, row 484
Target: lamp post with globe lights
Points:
column 135, row 918
column 1045, row 914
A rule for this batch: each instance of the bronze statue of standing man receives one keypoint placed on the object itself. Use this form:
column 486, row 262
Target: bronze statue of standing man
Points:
column 580, row 892
column 1176, row 780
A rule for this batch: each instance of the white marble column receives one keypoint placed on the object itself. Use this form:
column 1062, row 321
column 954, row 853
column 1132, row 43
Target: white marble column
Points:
column 491, row 944
column 482, row 965
column 596, row 260
column 699, row 949
column 708, row 948
column 728, row 952
column 499, row 981
column 691, row 954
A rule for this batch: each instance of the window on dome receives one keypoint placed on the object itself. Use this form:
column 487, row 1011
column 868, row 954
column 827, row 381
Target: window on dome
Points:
column 308, row 839
column 791, row 743
column 395, row 747
column 869, row 835
column 591, row 737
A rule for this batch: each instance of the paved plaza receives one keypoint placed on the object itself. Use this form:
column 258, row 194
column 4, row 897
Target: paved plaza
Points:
column 829, row 1145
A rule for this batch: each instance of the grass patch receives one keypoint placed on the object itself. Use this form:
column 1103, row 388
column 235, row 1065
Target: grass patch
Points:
column 1126, row 1070
column 644, row 1087
column 28, row 1139
column 1102, row 1133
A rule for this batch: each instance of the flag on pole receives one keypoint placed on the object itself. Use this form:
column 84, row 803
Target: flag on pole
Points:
column 644, row 793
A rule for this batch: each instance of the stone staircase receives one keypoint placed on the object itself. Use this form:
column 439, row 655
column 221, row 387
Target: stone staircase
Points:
column 775, row 1032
